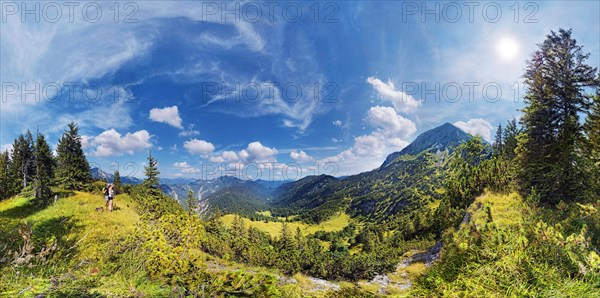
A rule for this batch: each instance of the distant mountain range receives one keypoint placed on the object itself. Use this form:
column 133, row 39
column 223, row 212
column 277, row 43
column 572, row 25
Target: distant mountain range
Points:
column 229, row 194
column 406, row 180
column 101, row 175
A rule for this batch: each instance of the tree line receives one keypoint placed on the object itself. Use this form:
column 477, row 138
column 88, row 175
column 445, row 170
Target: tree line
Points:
column 32, row 167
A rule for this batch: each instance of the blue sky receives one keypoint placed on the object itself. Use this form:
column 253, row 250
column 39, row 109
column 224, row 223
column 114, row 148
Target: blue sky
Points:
column 327, row 88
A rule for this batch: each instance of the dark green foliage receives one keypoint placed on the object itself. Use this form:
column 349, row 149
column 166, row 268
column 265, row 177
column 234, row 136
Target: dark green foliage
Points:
column 498, row 145
column 240, row 199
column 292, row 252
column 44, row 170
column 192, row 203
column 510, row 134
column 471, row 171
column 151, row 181
column 5, row 179
column 592, row 143
column 549, row 159
column 117, row 182
column 404, row 183
column 73, row 170
column 22, row 166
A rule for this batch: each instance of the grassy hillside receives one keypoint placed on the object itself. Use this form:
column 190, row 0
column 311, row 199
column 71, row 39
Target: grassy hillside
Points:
column 64, row 248
column 70, row 249
column 506, row 248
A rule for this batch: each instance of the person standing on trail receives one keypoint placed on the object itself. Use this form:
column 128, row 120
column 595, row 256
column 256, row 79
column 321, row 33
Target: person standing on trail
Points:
column 111, row 196
column 105, row 193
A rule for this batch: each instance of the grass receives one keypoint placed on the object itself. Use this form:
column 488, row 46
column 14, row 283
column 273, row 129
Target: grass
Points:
column 88, row 226
column 505, row 210
column 506, row 249
column 82, row 265
column 265, row 213
column 333, row 224
column 82, row 237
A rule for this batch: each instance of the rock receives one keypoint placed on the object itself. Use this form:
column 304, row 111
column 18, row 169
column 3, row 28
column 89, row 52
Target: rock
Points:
column 322, row 285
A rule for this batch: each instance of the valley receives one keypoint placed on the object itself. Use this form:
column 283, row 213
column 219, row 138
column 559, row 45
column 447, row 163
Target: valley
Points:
column 453, row 213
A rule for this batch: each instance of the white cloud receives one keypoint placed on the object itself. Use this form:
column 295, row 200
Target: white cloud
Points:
column 168, row 115
column 185, row 168
column 338, row 123
column 369, row 151
column 257, row 152
column 254, row 152
column 300, row 156
column 112, row 143
column 390, row 122
column 200, row 147
column 478, row 127
column 402, row 102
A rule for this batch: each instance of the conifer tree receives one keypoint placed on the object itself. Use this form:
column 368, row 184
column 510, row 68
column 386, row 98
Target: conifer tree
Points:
column 4, row 175
column 22, row 167
column 556, row 76
column 151, row 171
column 73, row 169
column 44, row 169
column 117, row 181
column 510, row 134
column 592, row 148
column 238, row 227
column 192, row 203
column 498, row 142
column 285, row 240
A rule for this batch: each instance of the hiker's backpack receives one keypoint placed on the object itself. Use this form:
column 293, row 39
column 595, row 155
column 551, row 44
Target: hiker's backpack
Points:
column 105, row 191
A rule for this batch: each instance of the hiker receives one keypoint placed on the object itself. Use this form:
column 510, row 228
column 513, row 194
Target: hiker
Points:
column 105, row 193
column 111, row 196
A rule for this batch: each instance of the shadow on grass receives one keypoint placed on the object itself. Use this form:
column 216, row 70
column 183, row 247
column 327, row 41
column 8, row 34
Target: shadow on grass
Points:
column 57, row 227
column 22, row 211
column 31, row 207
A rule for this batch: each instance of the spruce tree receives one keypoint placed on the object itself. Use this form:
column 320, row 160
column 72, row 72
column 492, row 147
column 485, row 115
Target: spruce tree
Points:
column 556, row 76
column 511, row 132
column 44, row 170
column 117, row 181
column 4, row 175
column 592, row 148
column 73, row 169
column 498, row 142
column 22, row 167
column 192, row 203
column 151, row 171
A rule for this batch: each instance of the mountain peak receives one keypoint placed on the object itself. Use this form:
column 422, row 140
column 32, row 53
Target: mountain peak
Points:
column 439, row 138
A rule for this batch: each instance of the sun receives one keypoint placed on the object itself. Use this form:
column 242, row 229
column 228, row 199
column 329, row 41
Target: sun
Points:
column 507, row 48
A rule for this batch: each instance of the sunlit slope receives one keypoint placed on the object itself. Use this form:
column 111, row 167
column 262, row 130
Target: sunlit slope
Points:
column 63, row 247
column 506, row 248
column 333, row 224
